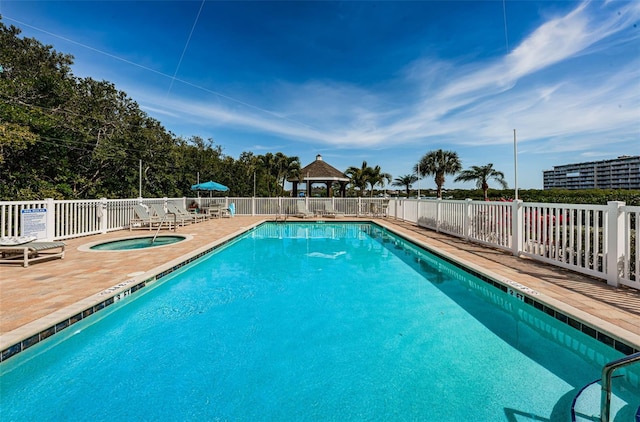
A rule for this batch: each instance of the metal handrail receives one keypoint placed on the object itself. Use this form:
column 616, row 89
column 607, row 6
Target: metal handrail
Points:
column 160, row 225
column 607, row 373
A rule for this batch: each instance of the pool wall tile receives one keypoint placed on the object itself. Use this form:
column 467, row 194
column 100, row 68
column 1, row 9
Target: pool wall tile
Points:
column 75, row 318
column 11, row 351
column 30, row 341
column 47, row 333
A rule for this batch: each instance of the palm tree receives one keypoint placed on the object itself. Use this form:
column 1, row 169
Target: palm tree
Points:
column 481, row 175
column 267, row 166
column 406, row 181
column 286, row 167
column 438, row 163
column 375, row 177
column 359, row 176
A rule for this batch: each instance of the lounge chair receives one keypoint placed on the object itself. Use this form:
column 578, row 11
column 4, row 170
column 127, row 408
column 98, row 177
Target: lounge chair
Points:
column 168, row 217
column 142, row 219
column 12, row 251
column 380, row 210
column 329, row 211
column 183, row 213
column 302, row 210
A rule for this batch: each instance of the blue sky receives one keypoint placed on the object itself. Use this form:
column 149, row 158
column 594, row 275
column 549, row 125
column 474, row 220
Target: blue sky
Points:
column 382, row 82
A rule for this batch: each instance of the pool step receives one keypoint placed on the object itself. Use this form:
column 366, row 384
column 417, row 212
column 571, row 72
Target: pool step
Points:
column 586, row 406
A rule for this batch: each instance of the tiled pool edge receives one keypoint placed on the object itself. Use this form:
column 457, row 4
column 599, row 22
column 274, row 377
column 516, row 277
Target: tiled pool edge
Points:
column 116, row 293
column 526, row 294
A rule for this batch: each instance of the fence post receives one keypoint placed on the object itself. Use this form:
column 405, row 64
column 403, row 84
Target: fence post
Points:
column 466, row 224
column 103, row 214
column 517, row 226
column 615, row 242
column 51, row 220
column 438, row 211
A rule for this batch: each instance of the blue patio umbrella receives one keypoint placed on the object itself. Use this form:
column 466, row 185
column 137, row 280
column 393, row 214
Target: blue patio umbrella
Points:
column 211, row 185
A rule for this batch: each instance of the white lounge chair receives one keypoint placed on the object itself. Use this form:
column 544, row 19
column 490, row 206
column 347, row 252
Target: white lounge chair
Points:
column 28, row 252
column 329, row 211
column 168, row 217
column 142, row 219
column 184, row 214
column 302, row 210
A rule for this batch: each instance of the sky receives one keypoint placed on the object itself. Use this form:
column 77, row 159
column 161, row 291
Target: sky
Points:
column 523, row 85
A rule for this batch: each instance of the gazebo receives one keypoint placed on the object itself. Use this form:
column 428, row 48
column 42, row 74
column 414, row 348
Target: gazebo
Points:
column 320, row 172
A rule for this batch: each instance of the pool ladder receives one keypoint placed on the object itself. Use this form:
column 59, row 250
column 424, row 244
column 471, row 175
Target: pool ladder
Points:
column 607, row 374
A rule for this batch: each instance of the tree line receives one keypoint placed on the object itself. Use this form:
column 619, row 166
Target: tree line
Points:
column 66, row 137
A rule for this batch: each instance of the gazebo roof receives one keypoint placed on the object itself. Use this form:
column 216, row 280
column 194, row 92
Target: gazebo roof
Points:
column 319, row 170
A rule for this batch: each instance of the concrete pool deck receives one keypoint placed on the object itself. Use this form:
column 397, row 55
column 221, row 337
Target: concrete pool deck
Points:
column 35, row 298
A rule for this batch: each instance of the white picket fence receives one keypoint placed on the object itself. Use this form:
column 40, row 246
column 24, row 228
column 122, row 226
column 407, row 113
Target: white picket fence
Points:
column 597, row 240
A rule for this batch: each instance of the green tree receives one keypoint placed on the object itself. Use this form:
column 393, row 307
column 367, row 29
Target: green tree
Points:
column 359, row 177
column 375, row 177
column 481, row 175
column 405, row 181
column 438, row 163
column 35, row 82
column 272, row 171
column 287, row 167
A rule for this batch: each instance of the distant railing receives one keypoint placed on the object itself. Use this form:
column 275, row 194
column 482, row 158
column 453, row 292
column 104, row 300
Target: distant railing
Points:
column 598, row 240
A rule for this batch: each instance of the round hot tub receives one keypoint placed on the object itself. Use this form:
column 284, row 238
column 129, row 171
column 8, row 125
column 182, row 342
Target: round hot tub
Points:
column 133, row 243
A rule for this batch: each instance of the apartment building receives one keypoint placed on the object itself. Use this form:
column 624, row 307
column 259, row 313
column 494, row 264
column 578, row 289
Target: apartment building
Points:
column 620, row 173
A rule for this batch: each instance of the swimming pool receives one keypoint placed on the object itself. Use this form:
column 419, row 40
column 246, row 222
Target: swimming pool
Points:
column 309, row 322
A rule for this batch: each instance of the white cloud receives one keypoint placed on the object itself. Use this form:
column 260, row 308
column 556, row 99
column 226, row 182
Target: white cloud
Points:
column 548, row 88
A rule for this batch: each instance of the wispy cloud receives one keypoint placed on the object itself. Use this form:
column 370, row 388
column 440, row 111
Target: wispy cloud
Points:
column 532, row 88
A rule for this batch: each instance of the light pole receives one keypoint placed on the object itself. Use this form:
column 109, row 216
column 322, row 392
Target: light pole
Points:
column 515, row 163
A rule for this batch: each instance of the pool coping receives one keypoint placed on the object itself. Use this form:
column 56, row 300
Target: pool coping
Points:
column 22, row 338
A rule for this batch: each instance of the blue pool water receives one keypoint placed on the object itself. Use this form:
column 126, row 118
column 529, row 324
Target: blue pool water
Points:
column 317, row 322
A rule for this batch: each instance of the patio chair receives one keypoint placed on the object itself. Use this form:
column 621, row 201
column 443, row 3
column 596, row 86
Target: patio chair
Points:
column 183, row 213
column 302, row 210
column 168, row 217
column 14, row 250
column 380, row 210
column 330, row 211
column 230, row 211
column 142, row 219
column 214, row 210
